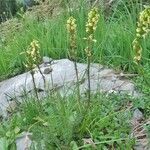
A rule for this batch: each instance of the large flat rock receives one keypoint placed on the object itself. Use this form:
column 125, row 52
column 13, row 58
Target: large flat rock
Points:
column 62, row 77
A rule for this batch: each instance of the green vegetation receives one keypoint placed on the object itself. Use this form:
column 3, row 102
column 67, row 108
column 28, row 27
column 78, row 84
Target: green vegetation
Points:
column 114, row 37
column 57, row 122
column 7, row 9
column 60, row 125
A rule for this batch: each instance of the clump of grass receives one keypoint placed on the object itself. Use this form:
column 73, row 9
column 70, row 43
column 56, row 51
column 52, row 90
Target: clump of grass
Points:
column 114, row 37
column 61, row 126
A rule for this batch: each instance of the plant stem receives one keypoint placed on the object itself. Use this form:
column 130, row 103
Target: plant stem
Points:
column 89, row 49
column 102, row 142
column 35, row 89
column 78, row 84
column 89, row 83
column 52, row 80
column 42, row 76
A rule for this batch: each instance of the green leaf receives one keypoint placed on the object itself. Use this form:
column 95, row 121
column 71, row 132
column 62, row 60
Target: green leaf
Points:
column 74, row 145
column 12, row 146
column 4, row 144
column 17, row 130
column 8, row 134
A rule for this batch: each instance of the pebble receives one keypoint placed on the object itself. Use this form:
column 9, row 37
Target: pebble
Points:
column 137, row 115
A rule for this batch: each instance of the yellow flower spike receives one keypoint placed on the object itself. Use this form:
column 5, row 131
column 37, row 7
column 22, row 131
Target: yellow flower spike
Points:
column 91, row 25
column 93, row 18
column 143, row 28
column 138, row 50
column 71, row 28
column 33, row 55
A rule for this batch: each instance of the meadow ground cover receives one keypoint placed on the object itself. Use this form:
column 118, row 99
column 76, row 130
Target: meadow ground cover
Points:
column 58, row 123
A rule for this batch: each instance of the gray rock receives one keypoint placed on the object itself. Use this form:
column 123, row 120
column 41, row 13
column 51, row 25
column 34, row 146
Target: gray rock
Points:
column 63, row 76
column 137, row 115
column 23, row 142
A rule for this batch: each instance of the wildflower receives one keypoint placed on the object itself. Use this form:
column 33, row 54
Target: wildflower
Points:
column 91, row 25
column 33, row 59
column 33, row 55
column 143, row 28
column 93, row 18
column 138, row 50
column 71, row 27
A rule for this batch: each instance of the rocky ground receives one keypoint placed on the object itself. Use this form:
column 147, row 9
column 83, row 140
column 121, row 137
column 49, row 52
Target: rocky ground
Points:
column 60, row 76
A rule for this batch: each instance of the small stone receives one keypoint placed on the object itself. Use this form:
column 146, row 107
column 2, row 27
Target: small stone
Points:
column 138, row 115
column 47, row 60
column 12, row 106
column 23, row 142
column 47, row 70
